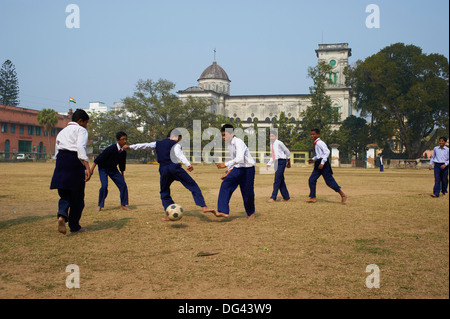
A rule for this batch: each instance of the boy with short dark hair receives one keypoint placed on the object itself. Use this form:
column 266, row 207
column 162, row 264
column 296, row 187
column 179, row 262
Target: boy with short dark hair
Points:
column 241, row 172
column 71, row 171
column 107, row 162
column 322, row 167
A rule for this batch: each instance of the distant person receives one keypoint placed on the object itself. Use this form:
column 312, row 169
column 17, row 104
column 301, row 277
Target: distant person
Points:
column 111, row 157
column 168, row 153
column 281, row 158
column 440, row 160
column 240, row 172
column 322, row 167
column 71, row 171
column 381, row 163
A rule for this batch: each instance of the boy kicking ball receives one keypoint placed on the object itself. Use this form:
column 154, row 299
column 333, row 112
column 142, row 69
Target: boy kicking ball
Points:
column 168, row 153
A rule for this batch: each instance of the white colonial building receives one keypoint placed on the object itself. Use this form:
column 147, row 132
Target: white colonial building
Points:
column 214, row 84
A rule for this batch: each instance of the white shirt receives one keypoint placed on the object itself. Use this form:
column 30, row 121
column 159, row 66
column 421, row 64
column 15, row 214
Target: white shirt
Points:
column 73, row 138
column 322, row 151
column 119, row 148
column 440, row 155
column 176, row 149
column 280, row 151
column 240, row 155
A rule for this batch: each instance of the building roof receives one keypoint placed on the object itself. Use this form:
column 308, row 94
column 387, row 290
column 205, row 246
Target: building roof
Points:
column 334, row 47
column 214, row 71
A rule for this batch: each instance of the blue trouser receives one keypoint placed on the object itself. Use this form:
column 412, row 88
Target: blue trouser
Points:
column 381, row 168
column 440, row 179
column 118, row 180
column 279, row 184
column 71, row 205
column 245, row 179
column 327, row 174
column 173, row 172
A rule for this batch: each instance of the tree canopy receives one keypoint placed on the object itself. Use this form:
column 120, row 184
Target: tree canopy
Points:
column 48, row 118
column 9, row 84
column 406, row 94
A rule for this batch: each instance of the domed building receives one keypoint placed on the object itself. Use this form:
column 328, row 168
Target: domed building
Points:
column 214, row 84
column 215, row 78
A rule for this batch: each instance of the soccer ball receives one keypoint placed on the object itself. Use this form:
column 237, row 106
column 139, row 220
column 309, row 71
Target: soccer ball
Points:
column 174, row 212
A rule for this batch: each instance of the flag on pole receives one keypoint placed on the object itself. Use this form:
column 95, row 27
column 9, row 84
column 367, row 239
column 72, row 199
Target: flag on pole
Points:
column 71, row 99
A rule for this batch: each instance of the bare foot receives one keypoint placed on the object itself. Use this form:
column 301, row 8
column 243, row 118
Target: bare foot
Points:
column 251, row 217
column 209, row 210
column 219, row 214
column 166, row 219
column 271, row 200
column 311, row 200
column 124, row 207
column 62, row 225
column 434, row 196
column 343, row 199
column 285, row 200
column 98, row 209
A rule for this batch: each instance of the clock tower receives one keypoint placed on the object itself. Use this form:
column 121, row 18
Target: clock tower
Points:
column 336, row 55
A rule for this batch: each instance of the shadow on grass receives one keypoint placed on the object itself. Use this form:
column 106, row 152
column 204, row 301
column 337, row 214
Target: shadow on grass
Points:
column 209, row 217
column 24, row 220
column 107, row 224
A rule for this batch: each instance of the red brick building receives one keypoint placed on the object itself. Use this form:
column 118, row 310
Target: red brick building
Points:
column 21, row 133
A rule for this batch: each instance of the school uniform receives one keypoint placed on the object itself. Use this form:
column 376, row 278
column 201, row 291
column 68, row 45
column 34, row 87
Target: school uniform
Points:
column 107, row 163
column 242, row 174
column 440, row 157
column 381, row 164
column 169, row 153
column 280, row 157
column 69, row 174
column 322, row 154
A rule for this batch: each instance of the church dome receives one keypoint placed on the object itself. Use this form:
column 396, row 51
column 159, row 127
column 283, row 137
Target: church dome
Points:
column 214, row 71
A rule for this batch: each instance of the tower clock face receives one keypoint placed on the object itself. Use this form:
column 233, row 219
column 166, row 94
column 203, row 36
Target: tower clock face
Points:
column 333, row 62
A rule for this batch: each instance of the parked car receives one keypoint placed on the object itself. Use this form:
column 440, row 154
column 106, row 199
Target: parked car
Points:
column 23, row 156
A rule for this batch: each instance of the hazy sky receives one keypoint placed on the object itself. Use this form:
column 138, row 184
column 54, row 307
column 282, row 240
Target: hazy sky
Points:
column 265, row 46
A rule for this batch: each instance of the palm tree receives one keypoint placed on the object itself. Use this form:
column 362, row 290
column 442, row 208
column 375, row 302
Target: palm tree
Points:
column 48, row 119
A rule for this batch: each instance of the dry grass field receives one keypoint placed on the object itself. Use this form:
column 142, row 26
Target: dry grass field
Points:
column 292, row 250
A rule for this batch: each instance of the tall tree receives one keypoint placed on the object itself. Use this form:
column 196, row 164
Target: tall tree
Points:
column 9, row 84
column 353, row 137
column 406, row 93
column 320, row 114
column 287, row 131
column 155, row 108
column 104, row 126
column 48, row 119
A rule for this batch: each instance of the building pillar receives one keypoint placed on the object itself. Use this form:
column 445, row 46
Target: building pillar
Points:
column 335, row 162
column 371, row 155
